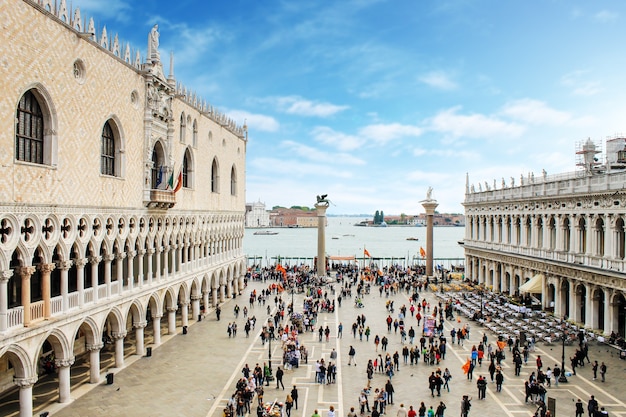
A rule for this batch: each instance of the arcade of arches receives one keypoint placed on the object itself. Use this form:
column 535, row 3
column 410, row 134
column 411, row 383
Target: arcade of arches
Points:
column 77, row 287
column 584, row 297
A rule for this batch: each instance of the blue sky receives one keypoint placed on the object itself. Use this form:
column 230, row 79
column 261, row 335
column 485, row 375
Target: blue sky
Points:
column 373, row 101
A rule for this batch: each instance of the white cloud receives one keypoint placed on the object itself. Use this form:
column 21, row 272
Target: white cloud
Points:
column 606, row 16
column 535, row 112
column 383, row 133
column 254, row 121
column 302, row 107
column 579, row 85
column 439, row 80
column 338, row 140
column 311, row 153
column 473, row 125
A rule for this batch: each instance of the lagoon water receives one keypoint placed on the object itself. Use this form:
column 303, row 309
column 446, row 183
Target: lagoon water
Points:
column 345, row 239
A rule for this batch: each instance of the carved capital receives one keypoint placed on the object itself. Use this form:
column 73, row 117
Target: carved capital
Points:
column 94, row 260
column 140, row 325
column 64, row 363
column 196, row 297
column 94, row 346
column 156, row 317
column 46, row 268
column 141, row 252
column 166, row 248
column 118, row 335
column 26, row 271
column 6, row 275
column 131, row 254
column 109, row 257
column 80, row 263
column 172, row 309
column 64, row 265
column 25, row 382
column 120, row 256
column 150, row 251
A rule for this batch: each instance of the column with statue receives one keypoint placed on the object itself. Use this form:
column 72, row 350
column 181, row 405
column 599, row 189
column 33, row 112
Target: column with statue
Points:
column 320, row 206
column 429, row 204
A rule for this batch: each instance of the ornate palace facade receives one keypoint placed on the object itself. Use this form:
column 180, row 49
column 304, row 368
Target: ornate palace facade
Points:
column 121, row 198
column 567, row 232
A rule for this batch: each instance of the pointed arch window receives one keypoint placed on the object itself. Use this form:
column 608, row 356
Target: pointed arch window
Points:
column 158, row 180
column 187, row 170
column 183, row 127
column 233, row 181
column 195, row 134
column 107, row 157
column 215, row 177
column 29, row 138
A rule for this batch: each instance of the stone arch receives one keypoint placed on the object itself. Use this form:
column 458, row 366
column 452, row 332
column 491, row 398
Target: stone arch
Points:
column 93, row 335
column 61, row 346
column 23, row 365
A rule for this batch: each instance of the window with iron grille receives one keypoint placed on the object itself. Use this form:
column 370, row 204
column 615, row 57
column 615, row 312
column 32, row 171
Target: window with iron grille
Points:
column 107, row 157
column 29, row 138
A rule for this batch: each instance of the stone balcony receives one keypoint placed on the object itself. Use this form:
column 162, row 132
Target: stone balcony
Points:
column 163, row 199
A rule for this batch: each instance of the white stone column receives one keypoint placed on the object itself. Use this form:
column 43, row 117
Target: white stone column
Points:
column 589, row 305
column 46, row 270
column 320, row 208
column 184, row 313
column 195, row 306
column 166, row 255
column 63, row 367
column 64, row 267
column 140, row 275
column 150, row 253
column 94, row 362
column 558, row 298
column 26, row 395
column 119, row 348
column 608, row 322
column 119, row 271
column 430, row 205
column 25, row 273
column 4, row 298
column 156, row 329
column 574, row 312
column 171, row 320
column 130, row 265
column 159, row 254
column 107, row 259
column 612, row 317
column 139, row 342
column 80, row 280
column 94, row 261
column 222, row 291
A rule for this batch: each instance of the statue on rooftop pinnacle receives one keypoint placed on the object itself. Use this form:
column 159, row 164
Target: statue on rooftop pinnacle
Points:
column 153, row 44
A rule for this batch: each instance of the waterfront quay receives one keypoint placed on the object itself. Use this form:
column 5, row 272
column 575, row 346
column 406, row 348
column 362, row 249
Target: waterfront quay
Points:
column 194, row 374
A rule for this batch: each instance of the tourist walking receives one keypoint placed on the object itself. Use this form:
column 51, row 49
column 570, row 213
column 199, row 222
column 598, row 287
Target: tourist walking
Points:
column 602, row 371
column 351, row 355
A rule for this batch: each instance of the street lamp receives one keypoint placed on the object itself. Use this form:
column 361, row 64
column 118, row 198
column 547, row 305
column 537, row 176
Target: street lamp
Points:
column 562, row 377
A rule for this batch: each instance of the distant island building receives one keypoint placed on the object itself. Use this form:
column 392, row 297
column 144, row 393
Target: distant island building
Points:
column 256, row 215
column 560, row 238
column 292, row 217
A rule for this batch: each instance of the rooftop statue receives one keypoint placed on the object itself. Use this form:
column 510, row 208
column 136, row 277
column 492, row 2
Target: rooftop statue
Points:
column 153, row 44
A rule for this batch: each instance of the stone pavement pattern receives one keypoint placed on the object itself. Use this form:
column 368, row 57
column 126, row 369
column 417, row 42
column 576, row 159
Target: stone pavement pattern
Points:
column 195, row 374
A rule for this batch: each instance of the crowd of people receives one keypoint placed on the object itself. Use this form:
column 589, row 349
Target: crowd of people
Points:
column 416, row 332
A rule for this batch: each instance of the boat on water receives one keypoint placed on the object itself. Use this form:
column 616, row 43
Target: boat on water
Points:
column 412, row 238
column 335, row 237
column 266, row 232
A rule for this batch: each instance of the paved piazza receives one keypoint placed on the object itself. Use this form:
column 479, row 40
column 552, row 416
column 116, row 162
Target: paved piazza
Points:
column 195, row 374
